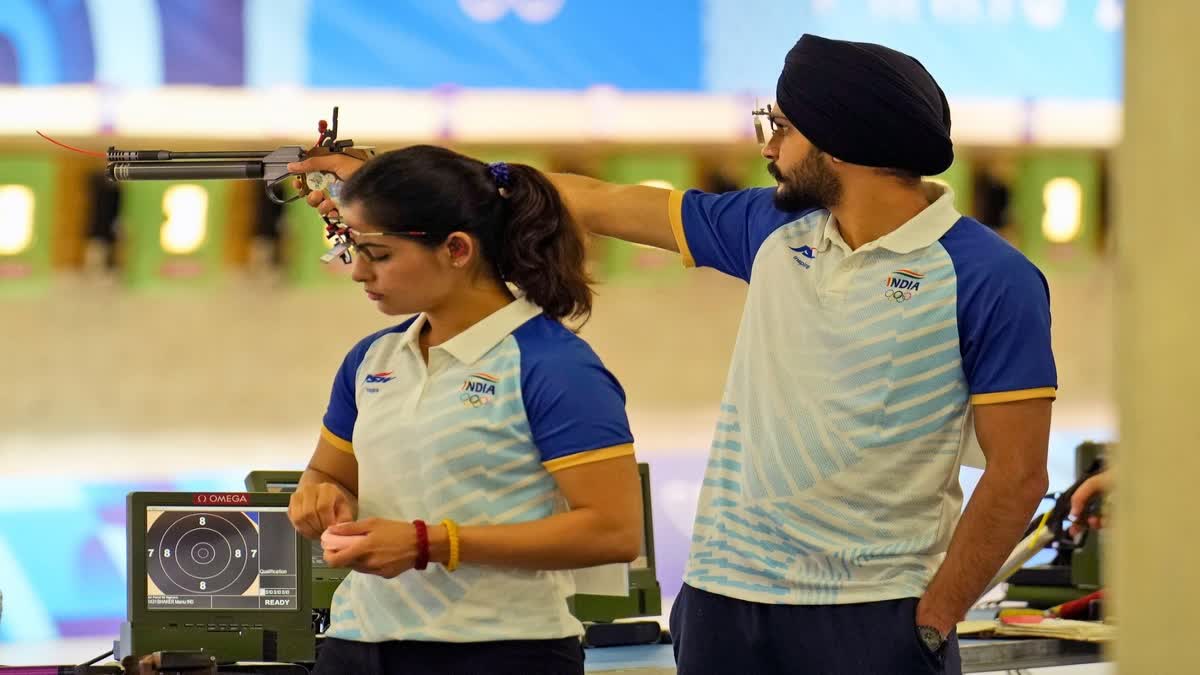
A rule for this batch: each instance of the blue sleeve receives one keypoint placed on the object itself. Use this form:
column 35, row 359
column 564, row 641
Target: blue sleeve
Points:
column 725, row 231
column 342, row 411
column 574, row 405
column 1003, row 319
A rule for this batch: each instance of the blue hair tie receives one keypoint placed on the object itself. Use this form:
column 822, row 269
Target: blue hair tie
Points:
column 501, row 177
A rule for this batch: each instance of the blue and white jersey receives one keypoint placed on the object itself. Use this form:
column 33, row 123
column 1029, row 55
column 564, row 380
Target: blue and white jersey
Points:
column 833, row 474
column 473, row 436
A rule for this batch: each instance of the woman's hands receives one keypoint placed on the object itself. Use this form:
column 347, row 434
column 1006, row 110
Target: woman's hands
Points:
column 385, row 548
column 314, row 507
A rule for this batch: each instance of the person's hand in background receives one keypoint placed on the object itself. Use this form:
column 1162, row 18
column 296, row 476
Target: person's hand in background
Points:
column 1095, row 487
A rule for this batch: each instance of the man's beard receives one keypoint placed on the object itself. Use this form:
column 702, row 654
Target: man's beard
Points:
column 810, row 184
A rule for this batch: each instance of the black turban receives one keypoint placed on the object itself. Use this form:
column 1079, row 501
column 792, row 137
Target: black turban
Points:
column 866, row 104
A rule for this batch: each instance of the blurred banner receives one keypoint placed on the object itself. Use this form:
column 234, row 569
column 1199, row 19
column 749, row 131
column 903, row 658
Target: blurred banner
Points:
column 1016, row 49
column 519, row 44
column 533, row 71
column 1013, row 49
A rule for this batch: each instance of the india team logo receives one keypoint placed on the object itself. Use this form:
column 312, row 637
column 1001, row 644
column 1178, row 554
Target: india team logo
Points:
column 901, row 285
column 478, row 390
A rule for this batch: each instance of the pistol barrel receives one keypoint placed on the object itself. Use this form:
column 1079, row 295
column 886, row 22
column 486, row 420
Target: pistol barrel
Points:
column 115, row 155
column 184, row 170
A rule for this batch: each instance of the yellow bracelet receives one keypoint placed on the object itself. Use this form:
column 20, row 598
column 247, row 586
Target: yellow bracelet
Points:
column 452, row 535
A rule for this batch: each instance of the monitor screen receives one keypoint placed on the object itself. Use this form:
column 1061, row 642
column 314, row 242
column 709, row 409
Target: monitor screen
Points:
column 220, row 557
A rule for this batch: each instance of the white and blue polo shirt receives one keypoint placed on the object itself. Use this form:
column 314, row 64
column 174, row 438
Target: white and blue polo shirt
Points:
column 473, row 436
column 833, row 473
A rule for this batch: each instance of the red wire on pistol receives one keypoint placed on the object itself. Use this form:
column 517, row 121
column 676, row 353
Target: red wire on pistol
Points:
column 79, row 150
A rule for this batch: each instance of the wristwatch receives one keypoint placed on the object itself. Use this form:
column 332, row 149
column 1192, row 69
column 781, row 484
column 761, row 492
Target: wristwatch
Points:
column 932, row 638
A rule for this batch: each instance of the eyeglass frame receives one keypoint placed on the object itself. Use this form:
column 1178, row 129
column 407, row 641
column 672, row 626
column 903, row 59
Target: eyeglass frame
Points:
column 344, row 242
column 759, row 131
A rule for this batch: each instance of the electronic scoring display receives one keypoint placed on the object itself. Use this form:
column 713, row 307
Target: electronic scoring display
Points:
column 220, row 558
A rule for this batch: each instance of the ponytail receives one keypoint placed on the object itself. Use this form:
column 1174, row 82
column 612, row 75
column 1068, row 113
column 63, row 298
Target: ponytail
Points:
column 526, row 233
column 541, row 249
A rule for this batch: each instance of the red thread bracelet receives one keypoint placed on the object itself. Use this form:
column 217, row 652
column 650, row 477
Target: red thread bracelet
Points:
column 422, row 545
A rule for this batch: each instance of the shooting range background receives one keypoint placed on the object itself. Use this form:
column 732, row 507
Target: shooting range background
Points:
column 160, row 339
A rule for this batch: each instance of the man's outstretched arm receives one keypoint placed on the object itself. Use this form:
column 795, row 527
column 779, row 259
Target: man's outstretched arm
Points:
column 634, row 213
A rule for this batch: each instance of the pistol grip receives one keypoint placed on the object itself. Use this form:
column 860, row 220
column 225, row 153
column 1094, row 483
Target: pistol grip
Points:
column 323, row 181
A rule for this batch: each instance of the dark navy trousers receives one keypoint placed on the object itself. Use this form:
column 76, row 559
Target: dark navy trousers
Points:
column 717, row 635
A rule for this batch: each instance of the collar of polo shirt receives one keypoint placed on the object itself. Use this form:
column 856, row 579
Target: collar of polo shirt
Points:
column 471, row 344
column 922, row 230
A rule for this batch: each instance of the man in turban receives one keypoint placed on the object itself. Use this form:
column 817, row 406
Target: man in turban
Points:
column 883, row 334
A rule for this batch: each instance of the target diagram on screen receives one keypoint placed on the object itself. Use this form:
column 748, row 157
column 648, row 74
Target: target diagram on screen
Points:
column 202, row 553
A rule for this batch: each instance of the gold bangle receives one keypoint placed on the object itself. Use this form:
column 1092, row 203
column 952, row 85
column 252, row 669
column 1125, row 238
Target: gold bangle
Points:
column 452, row 536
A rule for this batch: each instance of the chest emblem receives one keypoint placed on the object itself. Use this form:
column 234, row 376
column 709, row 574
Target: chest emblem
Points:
column 478, row 390
column 806, row 254
column 377, row 379
column 902, row 285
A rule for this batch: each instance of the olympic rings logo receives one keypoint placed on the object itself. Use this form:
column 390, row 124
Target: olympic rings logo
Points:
column 474, row 400
column 897, row 295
